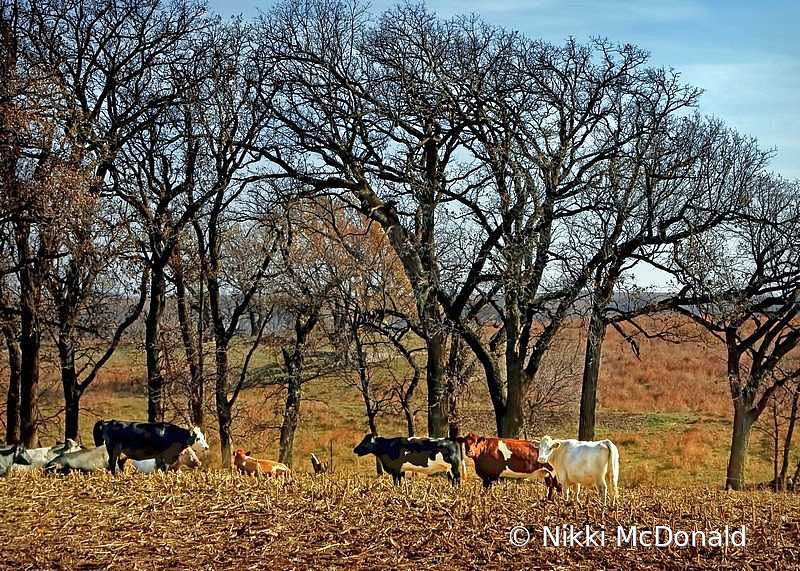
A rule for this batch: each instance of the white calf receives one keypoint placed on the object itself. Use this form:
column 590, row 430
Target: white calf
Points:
column 576, row 463
column 187, row 458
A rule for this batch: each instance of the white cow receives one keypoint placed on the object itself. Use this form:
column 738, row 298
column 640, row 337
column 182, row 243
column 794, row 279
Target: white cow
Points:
column 41, row 456
column 11, row 455
column 579, row 463
column 187, row 458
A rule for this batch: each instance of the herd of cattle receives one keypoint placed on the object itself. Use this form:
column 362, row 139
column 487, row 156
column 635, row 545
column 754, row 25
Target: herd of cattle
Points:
column 149, row 446
column 564, row 465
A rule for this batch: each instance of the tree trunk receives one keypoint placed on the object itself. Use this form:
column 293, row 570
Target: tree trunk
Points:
column 155, row 381
column 438, row 425
column 29, row 344
column 775, row 444
column 196, row 381
column 14, row 379
column 591, row 373
column 373, row 429
column 255, row 321
column 787, row 443
column 456, row 375
column 224, row 418
column 72, row 409
column 72, row 390
column 512, row 418
column 291, row 415
column 742, row 424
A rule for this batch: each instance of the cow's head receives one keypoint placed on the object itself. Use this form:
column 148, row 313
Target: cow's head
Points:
column 546, row 447
column 21, row 455
column 473, row 444
column 197, row 440
column 239, row 456
column 366, row 446
column 70, row 445
column 189, row 458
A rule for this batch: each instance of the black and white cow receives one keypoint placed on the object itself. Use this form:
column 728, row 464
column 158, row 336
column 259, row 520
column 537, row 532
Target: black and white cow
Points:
column 13, row 454
column 423, row 455
column 142, row 440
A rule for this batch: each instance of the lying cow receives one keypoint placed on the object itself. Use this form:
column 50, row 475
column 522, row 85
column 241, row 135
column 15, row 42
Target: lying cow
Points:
column 162, row 441
column 13, row 454
column 85, row 460
column 246, row 464
column 41, row 456
column 423, row 455
column 187, row 458
column 497, row 458
column 579, row 463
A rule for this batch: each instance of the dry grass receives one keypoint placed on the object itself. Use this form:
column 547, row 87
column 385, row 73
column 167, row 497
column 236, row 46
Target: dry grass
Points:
column 685, row 377
column 219, row 520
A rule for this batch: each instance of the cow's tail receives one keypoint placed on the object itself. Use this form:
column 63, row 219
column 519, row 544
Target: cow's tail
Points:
column 612, row 474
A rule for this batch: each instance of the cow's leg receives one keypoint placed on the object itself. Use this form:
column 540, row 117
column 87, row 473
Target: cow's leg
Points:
column 568, row 492
column 113, row 458
column 487, row 482
column 549, row 481
column 577, row 495
column 160, row 464
column 397, row 477
column 455, row 473
column 602, row 490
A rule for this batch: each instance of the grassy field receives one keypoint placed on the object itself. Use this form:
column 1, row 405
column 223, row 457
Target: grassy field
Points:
column 669, row 412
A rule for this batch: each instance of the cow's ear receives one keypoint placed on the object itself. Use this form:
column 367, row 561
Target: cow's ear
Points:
column 480, row 439
column 555, row 445
column 248, row 453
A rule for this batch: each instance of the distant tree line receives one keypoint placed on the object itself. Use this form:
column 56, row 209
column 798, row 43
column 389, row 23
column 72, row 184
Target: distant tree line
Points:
column 374, row 179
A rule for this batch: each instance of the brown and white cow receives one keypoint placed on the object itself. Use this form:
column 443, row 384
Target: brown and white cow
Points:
column 579, row 463
column 246, row 464
column 497, row 458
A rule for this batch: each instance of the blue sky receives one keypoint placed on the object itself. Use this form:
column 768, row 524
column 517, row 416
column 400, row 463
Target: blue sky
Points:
column 744, row 54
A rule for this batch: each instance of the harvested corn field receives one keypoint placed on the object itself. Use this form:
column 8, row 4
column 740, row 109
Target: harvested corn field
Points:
column 220, row 520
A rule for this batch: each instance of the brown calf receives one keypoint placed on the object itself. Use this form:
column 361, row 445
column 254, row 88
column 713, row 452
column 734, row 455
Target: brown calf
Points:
column 246, row 464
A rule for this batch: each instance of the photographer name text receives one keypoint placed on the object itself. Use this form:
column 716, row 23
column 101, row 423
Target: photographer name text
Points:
column 633, row 536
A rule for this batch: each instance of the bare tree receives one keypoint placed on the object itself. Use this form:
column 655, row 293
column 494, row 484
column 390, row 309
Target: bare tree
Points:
column 183, row 275
column 311, row 273
column 373, row 318
column 354, row 111
column 88, row 283
column 118, row 66
column 684, row 178
column 745, row 286
column 241, row 232
column 11, row 121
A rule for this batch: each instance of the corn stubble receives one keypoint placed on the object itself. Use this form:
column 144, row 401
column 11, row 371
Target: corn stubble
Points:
column 216, row 519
